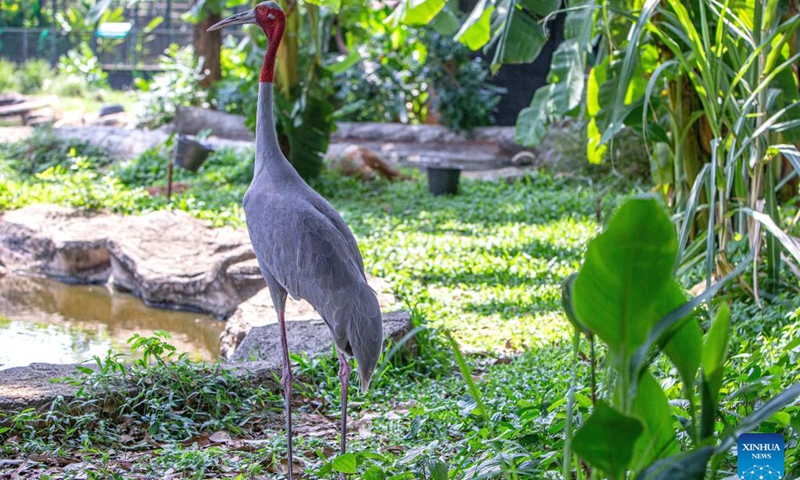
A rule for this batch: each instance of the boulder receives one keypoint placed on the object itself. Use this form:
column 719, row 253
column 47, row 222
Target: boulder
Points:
column 306, row 336
column 167, row 258
column 172, row 260
column 259, row 311
column 63, row 243
column 35, row 385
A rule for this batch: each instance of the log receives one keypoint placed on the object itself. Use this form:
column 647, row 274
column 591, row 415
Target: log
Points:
column 191, row 121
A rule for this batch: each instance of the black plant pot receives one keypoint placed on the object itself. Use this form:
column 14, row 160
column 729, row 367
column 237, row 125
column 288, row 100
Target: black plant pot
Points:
column 190, row 154
column 443, row 180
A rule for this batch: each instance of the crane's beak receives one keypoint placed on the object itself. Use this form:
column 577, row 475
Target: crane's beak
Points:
column 238, row 19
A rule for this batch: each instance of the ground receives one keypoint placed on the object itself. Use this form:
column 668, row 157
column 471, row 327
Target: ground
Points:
column 484, row 266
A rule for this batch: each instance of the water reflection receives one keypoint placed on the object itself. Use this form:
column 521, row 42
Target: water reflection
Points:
column 48, row 321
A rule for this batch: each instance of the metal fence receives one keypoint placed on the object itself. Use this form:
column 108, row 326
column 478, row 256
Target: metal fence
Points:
column 22, row 44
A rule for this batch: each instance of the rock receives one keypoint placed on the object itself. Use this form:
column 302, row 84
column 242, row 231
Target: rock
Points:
column 126, row 143
column 110, row 109
column 63, row 243
column 307, row 336
column 170, row 259
column 33, row 386
column 259, row 311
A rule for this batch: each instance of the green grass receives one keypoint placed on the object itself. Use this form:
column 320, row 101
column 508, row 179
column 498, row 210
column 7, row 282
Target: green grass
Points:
column 485, row 265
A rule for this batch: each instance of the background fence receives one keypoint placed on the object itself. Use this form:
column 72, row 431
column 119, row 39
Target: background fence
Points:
column 22, row 44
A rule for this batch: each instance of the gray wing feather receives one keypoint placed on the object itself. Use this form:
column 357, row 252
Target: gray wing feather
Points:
column 310, row 252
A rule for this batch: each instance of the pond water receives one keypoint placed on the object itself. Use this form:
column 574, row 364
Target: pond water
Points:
column 43, row 320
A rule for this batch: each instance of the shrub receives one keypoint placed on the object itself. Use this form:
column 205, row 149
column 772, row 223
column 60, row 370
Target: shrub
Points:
column 44, row 149
column 462, row 94
column 79, row 71
column 7, row 76
column 176, row 86
column 33, row 75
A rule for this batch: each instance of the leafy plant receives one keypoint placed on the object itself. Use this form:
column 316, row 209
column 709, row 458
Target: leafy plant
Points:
column 80, row 72
column 176, row 86
column 514, row 29
column 382, row 78
column 43, row 149
column 710, row 87
column 32, row 75
column 626, row 295
column 462, row 94
column 7, row 76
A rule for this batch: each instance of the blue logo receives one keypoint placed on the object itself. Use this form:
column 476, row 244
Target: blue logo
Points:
column 761, row 456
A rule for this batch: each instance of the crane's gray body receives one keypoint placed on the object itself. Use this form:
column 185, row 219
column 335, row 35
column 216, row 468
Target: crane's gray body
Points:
column 305, row 249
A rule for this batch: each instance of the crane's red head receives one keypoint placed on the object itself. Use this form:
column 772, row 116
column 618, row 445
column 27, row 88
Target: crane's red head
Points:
column 269, row 16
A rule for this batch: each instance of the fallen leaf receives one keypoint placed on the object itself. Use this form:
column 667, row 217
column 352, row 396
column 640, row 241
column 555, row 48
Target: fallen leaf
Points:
column 201, row 440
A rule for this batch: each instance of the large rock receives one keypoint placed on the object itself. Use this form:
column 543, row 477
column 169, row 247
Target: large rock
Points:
column 35, row 385
column 167, row 258
column 63, row 243
column 170, row 259
column 258, row 311
column 306, row 336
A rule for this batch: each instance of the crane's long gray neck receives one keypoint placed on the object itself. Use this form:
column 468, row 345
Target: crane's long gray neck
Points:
column 271, row 165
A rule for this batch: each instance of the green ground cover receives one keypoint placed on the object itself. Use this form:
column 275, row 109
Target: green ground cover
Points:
column 486, row 265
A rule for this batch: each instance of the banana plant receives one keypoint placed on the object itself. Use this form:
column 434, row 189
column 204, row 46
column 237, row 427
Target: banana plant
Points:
column 516, row 29
column 626, row 294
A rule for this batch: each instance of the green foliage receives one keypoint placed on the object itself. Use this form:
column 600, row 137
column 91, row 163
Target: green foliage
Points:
column 79, row 72
column 177, row 85
column 485, row 265
column 33, row 75
column 43, row 150
column 413, row 75
column 626, row 294
column 8, row 81
column 462, row 93
column 712, row 91
column 386, row 83
column 515, row 29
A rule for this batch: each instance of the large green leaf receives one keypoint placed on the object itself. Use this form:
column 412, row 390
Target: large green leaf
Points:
column 541, row 7
column 628, row 269
column 563, row 94
column 415, row 12
column 683, row 347
column 596, row 98
column 567, row 77
column 345, row 463
column 532, row 121
column 307, row 125
column 628, row 70
column 689, row 465
column 521, row 37
column 658, row 439
column 607, row 439
column 476, row 30
column 713, row 357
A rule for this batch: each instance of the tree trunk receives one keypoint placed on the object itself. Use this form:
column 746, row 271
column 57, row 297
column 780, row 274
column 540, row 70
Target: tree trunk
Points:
column 207, row 46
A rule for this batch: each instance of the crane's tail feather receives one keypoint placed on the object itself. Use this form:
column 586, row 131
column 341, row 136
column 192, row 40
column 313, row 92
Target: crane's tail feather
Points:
column 365, row 334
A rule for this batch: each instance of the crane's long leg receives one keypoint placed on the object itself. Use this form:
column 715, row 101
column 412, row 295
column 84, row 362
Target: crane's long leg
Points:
column 286, row 383
column 344, row 377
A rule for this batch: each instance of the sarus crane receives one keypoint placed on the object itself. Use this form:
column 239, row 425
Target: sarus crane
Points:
column 304, row 248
